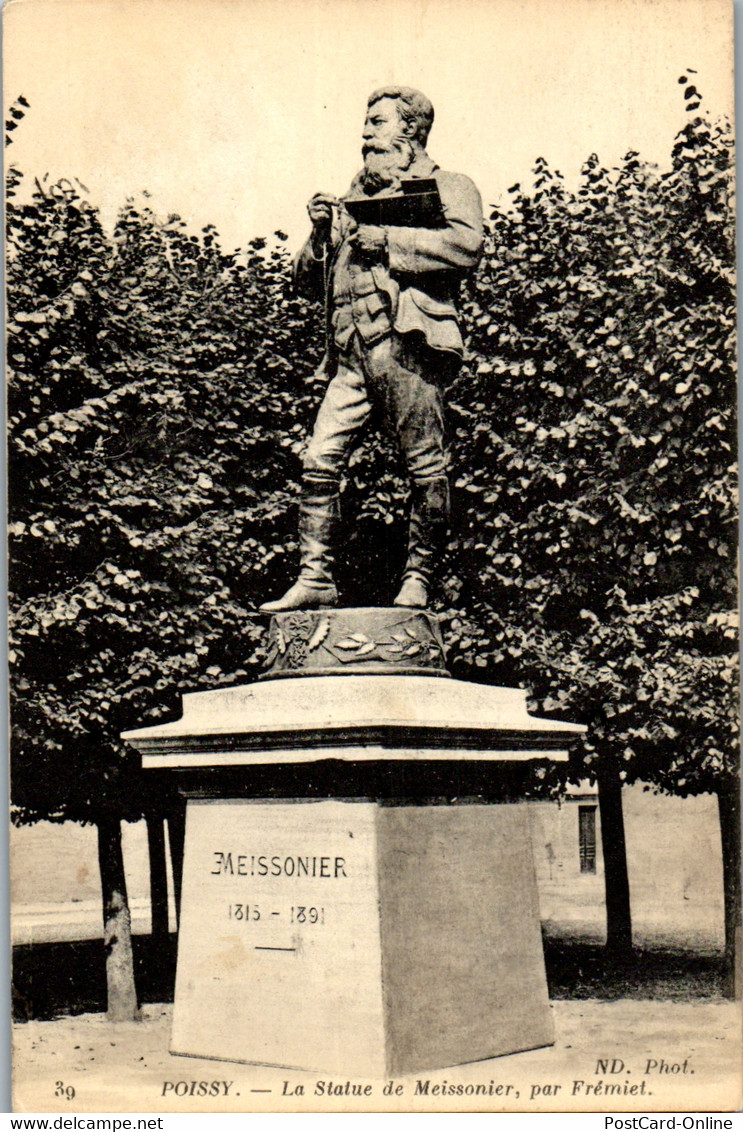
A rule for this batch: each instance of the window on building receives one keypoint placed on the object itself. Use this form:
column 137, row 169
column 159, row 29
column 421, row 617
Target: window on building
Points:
column 587, row 838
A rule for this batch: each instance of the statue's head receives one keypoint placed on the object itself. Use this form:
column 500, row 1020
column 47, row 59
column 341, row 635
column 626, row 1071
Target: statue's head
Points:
column 398, row 121
column 406, row 111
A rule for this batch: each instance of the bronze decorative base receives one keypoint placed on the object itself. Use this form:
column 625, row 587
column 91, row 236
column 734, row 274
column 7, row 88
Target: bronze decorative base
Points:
column 329, row 642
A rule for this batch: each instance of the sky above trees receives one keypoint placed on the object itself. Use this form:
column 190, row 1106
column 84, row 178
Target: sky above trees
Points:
column 233, row 112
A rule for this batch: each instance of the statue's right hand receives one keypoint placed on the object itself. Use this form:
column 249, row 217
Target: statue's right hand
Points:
column 320, row 209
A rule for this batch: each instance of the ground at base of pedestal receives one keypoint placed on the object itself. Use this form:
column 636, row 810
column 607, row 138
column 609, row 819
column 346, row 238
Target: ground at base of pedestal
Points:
column 123, row 1067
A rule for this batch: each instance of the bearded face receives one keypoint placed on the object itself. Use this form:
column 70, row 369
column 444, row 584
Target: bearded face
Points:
column 387, row 152
column 385, row 167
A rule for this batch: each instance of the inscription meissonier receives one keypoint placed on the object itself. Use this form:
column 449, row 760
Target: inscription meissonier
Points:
column 278, row 865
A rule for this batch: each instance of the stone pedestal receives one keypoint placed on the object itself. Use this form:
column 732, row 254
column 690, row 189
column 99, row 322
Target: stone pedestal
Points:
column 358, row 894
column 358, row 939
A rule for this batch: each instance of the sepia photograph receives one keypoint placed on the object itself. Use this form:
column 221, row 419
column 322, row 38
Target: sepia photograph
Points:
column 372, row 520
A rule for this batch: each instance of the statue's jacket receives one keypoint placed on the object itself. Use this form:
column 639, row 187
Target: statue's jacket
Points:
column 417, row 288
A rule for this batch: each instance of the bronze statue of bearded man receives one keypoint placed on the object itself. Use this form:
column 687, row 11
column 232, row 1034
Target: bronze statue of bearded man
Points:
column 394, row 341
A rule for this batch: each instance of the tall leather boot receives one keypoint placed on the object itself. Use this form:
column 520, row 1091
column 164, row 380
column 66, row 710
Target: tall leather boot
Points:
column 318, row 521
column 429, row 526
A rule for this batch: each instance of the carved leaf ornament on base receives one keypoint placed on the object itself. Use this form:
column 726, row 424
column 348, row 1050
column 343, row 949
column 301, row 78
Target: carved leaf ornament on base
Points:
column 380, row 640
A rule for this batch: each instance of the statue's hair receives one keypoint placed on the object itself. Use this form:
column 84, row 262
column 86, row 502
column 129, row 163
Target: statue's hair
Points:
column 412, row 106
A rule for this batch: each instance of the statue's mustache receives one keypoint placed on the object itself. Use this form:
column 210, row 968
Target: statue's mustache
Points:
column 377, row 147
column 397, row 145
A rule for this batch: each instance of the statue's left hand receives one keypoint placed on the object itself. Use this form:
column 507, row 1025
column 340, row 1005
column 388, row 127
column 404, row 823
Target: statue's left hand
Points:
column 369, row 238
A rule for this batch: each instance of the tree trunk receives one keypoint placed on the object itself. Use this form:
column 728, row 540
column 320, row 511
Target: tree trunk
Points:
column 176, row 837
column 616, row 879
column 728, row 800
column 117, row 931
column 158, row 877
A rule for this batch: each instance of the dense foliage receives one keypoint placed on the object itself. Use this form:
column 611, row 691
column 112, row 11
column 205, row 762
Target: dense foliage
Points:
column 160, row 392
column 157, row 397
column 596, row 456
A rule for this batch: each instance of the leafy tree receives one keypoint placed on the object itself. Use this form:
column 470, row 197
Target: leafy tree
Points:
column 16, row 114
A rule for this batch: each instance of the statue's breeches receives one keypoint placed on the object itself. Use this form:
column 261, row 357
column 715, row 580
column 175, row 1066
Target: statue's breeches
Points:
column 398, row 380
